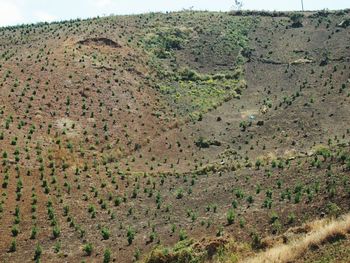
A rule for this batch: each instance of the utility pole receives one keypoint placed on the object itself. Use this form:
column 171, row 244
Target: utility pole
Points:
column 238, row 5
column 302, row 5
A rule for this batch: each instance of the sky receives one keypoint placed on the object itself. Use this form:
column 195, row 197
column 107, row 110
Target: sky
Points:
column 13, row 12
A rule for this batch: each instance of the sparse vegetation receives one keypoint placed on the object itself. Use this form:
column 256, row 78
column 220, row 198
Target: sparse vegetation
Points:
column 178, row 137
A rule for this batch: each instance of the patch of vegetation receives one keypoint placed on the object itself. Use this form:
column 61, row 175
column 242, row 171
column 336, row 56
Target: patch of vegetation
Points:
column 204, row 143
column 193, row 94
column 182, row 252
column 297, row 19
column 163, row 40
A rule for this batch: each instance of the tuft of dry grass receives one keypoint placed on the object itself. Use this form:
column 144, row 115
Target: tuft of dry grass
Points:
column 321, row 232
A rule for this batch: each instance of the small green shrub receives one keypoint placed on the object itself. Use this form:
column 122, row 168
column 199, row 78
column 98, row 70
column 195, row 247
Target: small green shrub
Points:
column 88, row 249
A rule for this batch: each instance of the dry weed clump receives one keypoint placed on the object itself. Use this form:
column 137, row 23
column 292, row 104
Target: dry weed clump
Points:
column 322, row 232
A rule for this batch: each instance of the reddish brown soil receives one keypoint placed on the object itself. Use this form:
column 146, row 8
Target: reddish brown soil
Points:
column 92, row 128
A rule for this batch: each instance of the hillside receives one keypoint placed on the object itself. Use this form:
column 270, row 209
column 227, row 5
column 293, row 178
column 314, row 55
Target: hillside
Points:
column 124, row 135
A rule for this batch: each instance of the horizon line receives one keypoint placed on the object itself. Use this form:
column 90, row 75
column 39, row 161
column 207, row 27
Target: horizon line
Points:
column 239, row 12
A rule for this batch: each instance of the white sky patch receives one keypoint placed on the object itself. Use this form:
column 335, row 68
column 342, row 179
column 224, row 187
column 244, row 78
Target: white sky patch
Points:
column 41, row 16
column 10, row 14
column 13, row 12
column 101, row 3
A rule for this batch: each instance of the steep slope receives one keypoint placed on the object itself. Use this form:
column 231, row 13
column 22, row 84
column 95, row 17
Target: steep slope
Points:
column 123, row 133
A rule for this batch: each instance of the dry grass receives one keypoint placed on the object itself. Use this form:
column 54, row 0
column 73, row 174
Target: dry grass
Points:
column 322, row 231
